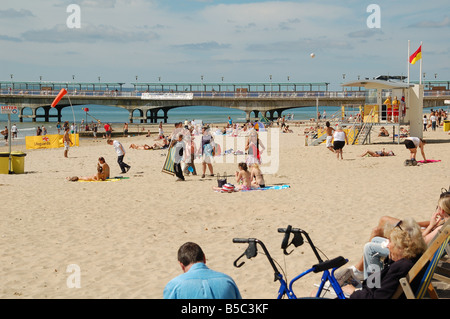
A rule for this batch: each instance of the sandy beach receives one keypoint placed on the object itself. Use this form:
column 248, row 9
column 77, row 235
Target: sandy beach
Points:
column 124, row 235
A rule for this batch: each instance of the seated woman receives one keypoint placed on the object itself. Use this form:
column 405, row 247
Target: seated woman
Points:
column 243, row 175
column 257, row 177
column 376, row 248
column 406, row 245
column 383, row 132
column 96, row 177
column 378, row 153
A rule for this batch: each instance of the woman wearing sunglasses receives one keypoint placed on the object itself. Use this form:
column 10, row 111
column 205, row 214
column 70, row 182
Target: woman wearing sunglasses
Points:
column 405, row 246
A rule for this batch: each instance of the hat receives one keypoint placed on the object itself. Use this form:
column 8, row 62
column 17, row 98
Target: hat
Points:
column 229, row 188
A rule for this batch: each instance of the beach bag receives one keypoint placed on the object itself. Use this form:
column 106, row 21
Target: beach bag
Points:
column 228, row 188
column 221, row 181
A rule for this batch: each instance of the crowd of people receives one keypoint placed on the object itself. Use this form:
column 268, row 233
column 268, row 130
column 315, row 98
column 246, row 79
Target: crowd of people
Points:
column 191, row 142
column 435, row 119
column 393, row 247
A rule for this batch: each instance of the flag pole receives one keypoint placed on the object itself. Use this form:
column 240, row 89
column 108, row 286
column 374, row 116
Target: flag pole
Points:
column 407, row 59
column 407, row 90
column 421, row 59
column 74, row 123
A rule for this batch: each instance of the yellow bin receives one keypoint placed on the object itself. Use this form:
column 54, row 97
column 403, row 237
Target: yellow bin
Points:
column 4, row 163
column 18, row 162
column 446, row 125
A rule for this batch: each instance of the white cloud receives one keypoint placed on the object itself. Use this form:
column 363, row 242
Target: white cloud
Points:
column 177, row 39
column 87, row 34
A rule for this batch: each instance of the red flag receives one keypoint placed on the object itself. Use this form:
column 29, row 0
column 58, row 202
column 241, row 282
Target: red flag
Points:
column 59, row 97
column 416, row 56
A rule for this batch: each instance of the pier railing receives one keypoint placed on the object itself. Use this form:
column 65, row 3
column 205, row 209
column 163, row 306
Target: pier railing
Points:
column 213, row 94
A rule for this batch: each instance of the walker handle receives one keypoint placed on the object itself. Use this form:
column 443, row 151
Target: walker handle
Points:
column 241, row 240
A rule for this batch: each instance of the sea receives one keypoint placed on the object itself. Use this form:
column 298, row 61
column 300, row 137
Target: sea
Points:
column 118, row 116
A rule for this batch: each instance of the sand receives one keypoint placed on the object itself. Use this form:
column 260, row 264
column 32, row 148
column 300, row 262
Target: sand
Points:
column 124, row 235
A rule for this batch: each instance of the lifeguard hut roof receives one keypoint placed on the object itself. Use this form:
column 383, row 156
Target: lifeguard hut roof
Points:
column 378, row 84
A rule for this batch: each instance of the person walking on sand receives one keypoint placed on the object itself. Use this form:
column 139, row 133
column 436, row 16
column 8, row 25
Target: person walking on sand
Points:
column 14, row 131
column 67, row 142
column 339, row 141
column 329, row 130
column 120, row 155
column 179, row 145
column 207, row 151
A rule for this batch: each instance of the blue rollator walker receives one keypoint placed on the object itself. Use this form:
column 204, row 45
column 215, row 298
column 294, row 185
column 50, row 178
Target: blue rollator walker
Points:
column 322, row 266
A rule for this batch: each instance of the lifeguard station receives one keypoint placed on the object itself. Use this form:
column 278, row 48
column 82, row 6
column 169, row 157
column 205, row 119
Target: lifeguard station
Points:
column 388, row 103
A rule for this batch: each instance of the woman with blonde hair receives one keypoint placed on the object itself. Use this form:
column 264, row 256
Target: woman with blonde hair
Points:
column 257, row 177
column 405, row 245
column 376, row 249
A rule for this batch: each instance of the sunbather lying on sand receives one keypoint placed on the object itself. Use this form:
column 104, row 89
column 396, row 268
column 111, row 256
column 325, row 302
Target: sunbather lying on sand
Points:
column 156, row 146
column 378, row 153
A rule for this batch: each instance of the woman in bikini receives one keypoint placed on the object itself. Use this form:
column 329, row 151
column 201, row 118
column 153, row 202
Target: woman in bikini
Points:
column 257, row 177
column 244, row 176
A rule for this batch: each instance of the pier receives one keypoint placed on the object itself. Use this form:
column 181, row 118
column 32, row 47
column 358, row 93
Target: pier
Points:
column 150, row 102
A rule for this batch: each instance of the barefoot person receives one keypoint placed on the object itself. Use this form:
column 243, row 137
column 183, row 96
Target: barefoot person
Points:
column 101, row 175
column 67, row 141
column 257, row 177
column 329, row 130
column 377, row 153
column 105, row 168
column 339, row 141
column 207, row 150
column 244, row 176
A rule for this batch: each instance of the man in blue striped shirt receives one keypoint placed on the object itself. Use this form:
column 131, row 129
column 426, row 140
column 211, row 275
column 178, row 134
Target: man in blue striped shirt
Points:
column 198, row 281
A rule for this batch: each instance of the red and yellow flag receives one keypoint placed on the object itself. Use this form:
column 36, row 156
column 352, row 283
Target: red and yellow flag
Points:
column 416, row 56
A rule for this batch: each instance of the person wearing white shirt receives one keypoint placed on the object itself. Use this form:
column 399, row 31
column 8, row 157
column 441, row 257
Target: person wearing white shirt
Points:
column 120, row 155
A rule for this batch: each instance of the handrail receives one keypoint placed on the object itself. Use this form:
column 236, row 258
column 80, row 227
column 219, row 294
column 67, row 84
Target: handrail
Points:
column 209, row 94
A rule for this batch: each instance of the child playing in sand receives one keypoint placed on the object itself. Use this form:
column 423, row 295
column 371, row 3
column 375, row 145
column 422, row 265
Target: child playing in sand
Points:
column 257, row 177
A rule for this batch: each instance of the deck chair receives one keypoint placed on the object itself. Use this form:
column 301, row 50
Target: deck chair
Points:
column 442, row 272
column 423, row 270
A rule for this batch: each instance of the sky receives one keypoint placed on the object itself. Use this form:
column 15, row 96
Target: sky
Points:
column 229, row 41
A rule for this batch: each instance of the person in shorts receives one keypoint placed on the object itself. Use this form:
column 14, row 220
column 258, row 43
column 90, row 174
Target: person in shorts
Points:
column 412, row 143
column 67, row 141
column 329, row 130
column 339, row 141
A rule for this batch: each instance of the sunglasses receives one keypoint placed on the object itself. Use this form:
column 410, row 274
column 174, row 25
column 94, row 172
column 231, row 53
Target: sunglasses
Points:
column 444, row 192
column 399, row 225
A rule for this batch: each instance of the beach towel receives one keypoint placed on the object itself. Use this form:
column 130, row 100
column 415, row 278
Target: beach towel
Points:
column 221, row 190
column 111, row 179
column 428, row 161
column 267, row 188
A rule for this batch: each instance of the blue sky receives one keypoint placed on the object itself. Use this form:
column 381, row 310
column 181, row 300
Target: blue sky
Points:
column 241, row 41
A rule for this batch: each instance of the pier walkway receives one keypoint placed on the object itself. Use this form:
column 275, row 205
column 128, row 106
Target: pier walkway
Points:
column 150, row 102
